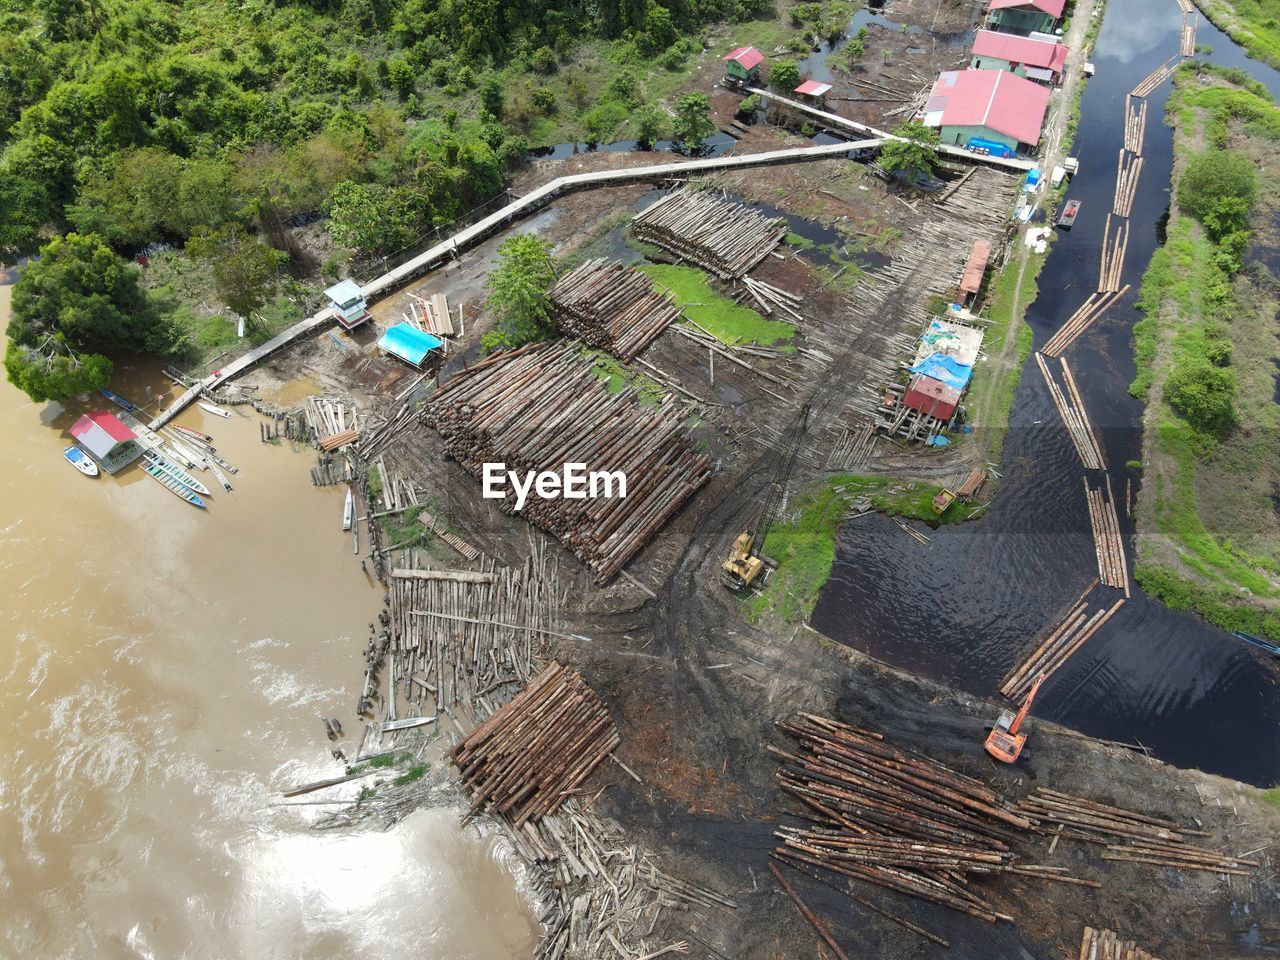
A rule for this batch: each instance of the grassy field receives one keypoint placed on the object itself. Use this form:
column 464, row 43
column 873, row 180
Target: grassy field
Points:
column 1254, row 24
column 804, row 543
column 1208, row 539
column 719, row 316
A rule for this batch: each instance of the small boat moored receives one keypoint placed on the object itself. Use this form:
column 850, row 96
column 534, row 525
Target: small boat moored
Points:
column 215, row 410
column 119, row 401
column 349, row 511
column 1069, row 213
column 80, row 460
column 176, row 487
column 193, row 434
column 175, row 471
column 1271, row 648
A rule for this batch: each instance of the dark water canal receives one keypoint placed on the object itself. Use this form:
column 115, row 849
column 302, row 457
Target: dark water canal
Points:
column 964, row 608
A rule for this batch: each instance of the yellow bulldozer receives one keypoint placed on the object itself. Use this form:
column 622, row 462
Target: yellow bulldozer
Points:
column 739, row 572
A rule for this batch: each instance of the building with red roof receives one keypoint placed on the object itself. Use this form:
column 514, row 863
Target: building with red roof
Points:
column 742, row 66
column 990, row 110
column 1036, row 59
column 1025, row 16
column 931, row 397
column 813, row 90
column 105, row 438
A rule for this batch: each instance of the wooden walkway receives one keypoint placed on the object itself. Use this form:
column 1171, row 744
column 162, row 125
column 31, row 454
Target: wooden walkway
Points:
column 861, row 129
column 467, row 237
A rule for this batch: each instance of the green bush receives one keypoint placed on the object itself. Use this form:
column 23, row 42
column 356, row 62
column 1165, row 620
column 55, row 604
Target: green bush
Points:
column 1219, row 189
column 1203, row 394
column 785, row 76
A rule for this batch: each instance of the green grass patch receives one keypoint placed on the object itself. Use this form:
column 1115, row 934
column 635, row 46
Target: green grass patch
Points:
column 1271, row 796
column 405, row 530
column 721, row 317
column 1219, row 605
column 803, row 544
column 619, row 377
column 415, row 772
column 1251, row 23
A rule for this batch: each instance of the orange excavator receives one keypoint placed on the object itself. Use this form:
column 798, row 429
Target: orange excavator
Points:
column 1004, row 742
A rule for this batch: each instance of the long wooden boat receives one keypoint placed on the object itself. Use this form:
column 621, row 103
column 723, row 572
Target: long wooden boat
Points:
column 119, row 401
column 408, row 723
column 176, row 487
column 348, row 511
column 1271, row 648
column 1069, row 213
column 80, row 460
column 193, row 434
column 217, row 411
column 175, row 471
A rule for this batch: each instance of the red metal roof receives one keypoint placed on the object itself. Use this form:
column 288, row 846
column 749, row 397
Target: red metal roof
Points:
column 813, row 88
column 1053, row 8
column 932, row 397
column 1024, row 50
column 996, row 99
column 108, row 422
column 976, row 267
column 746, row 57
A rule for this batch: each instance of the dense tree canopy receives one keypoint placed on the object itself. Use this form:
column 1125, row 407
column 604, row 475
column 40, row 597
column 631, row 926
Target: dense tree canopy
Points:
column 519, row 291
column 1203, row 394
column 914, row 153
column 693, row 123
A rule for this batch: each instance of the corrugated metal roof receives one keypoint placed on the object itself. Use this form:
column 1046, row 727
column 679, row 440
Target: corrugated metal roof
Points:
column 996, row 99
column 932, row 397
column 976, row 267
column 100, row 431
column 1024, row 50
column 345, row 292
column 409, row 343
column 813, row 88
column 1053, row 8
column 746, row 57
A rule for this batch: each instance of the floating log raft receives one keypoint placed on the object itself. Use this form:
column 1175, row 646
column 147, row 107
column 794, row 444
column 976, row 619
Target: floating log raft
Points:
column 1113, row 251
column 540, row 407
column 1081, row 622
column 1106, row 945
column 726, row 238
column 529, row 757
column 1080, row 321
column 1159, row 75
column 612, row 307
column 1135, row 124
column 1113, row 567
column 1128, row 170
column 1074, row 418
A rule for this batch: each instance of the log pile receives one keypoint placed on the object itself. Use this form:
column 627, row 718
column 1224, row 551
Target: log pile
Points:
column 726, row 238
column 1113, row 566
column 1074, row 418
column 540, row 407
column 1135, row 124
column 1106, row 945
column 1129, row 168
column 1113, row 251
column 895, row 819
column 1093, row 308
column 529, row 757
column 1127, row 836
column 1081, row 622
column 1160, row 74
column 612, row 307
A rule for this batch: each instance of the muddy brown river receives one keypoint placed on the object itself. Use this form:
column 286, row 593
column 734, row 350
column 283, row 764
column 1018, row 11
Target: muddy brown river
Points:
column 165, row 674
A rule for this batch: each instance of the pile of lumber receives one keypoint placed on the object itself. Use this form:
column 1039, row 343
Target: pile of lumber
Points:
column 332, row 421
column 1082, row 620
column 1113, row 567
column 1127, row 836
column 540, row 407
column 612, row 307
column 529, row 757
column 726, row 238
column 1094, row 307
column 1074, row 418
column 895, row 819
column 1106, row 945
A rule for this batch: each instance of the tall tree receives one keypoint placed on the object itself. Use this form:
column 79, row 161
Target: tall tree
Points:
column 693, row 123
column 245, row 270
column 914, row 153
column 519, row 291
column 785, row 76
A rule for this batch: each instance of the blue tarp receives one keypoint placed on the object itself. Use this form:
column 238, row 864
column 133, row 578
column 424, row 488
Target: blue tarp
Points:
column 945, row 368
column 409, row 343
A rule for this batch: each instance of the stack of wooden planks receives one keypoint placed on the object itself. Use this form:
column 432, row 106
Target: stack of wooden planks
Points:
column 530, row 756
column 1113, row 566
column 1128, row 836
column 1081, row 622
column 612, row 307
column 726, row 238
column 895, row 819
column 1074, row 418
column 1106, row 945
column 543, row 406
column 1094, row 307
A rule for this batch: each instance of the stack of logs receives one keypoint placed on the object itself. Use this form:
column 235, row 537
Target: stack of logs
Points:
column 726, row 238
column 1113, row 567
column 898, row 820
column 540, row 407
column 1113, row 251
column 1159, row 75
column 1070, row 634
column 1129, row 168
column 612, row 307
column 1107, row 945
column 1135, row 124
column 1074, row 418
column 1094, row 307
column 530, row 756
column 1127, row 836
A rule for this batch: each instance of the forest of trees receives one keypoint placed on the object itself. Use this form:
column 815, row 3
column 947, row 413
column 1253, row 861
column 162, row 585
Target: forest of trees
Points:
column 207, row 125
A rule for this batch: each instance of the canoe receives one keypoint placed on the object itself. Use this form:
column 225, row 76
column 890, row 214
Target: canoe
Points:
column 175, row 471
column 1069, row 212
column 1271, row 648
column 80, row 460
column 119, row 401
column 216, row 411
column 406, row 724
column 348, row 511
column 193, row 434
column 176, row 487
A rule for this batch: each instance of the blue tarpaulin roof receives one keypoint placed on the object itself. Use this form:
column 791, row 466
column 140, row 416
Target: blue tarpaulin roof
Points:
column 939, row 366
column 408, row 343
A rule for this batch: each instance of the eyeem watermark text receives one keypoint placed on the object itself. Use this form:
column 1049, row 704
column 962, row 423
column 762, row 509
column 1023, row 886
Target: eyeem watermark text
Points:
column 574, row 482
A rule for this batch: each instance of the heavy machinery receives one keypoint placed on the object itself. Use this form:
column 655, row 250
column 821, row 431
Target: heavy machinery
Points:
column 1005, row 742
column 944, row 499
column 745, row 562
